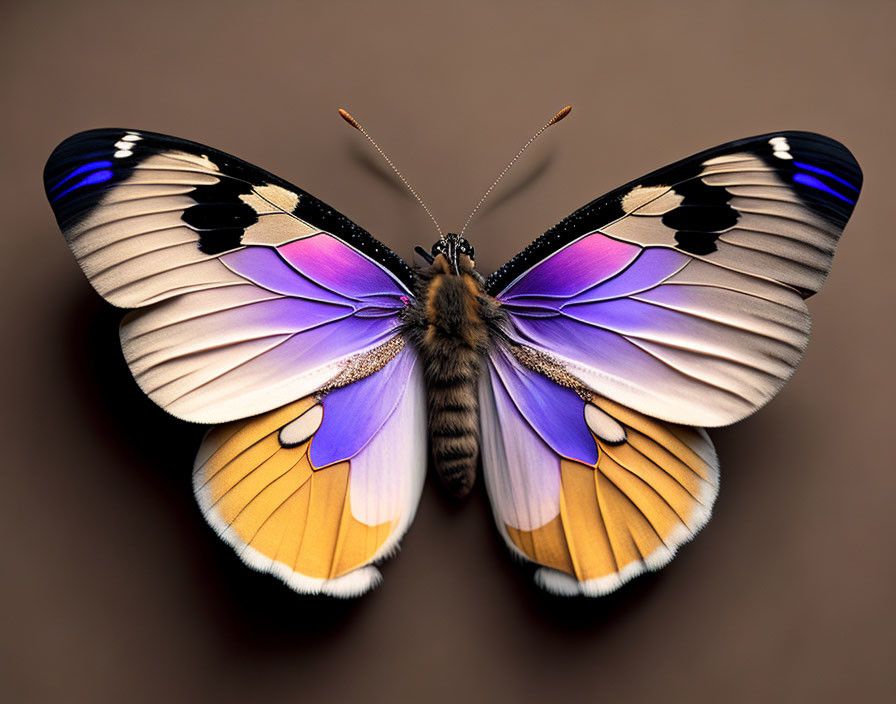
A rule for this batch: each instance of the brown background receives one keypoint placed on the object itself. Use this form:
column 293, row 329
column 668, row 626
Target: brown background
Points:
column 114, row 589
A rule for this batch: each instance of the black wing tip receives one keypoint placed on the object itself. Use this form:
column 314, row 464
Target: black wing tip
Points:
column 825, row 163
column 77, row 147
column 836, row 148
column 80, row 169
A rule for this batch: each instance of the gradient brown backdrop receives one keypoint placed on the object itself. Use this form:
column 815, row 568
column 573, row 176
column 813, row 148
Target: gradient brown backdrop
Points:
column 114, row 589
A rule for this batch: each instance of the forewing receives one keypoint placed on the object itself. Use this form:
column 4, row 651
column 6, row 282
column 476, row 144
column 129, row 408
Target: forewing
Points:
column 316, row 491
column 591, row 491
column 681, row 294
column 250, row 292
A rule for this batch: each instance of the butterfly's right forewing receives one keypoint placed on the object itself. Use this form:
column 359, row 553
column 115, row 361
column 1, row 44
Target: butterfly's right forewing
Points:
column 681, row 294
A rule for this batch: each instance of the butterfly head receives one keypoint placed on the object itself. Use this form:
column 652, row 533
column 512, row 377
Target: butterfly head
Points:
column 454, row 248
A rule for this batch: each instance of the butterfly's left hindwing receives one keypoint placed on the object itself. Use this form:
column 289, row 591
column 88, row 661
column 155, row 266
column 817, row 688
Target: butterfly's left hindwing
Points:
column 254, row 300
column 318, row 489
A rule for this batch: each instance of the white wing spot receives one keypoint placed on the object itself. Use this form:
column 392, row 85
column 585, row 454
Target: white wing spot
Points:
column 602, row 425
column 639, row 196
column 302, row 428
column 781, row 147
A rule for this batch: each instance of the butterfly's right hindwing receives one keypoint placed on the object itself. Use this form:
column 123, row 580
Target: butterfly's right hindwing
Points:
column 592, row 492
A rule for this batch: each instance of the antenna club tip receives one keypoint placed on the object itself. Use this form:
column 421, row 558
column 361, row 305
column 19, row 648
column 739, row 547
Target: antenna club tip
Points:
column 349, row 119
column 560, row 115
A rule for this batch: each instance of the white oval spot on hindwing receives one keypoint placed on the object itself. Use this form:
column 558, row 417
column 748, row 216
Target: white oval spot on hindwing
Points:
column 302, row 428
column 603, row 425
column 781, row 147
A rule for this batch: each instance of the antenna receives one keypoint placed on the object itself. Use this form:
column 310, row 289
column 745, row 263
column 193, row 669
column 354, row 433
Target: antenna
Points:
column 554, row 120
column 357, row 125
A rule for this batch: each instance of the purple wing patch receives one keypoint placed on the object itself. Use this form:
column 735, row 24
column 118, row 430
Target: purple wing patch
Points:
column 338, row 267
column 529, row 424
column 580, row 266
column 344, row 431
column 556, row 414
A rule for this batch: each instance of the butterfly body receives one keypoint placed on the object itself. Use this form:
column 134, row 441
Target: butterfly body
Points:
column 581, row 373
column 450, row 324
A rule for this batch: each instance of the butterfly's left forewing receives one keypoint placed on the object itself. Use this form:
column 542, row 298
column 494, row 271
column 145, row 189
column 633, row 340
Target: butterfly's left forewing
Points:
column 249, row 293
column 254, row 300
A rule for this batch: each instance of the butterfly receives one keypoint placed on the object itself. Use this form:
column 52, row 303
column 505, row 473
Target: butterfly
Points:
column 580, row 374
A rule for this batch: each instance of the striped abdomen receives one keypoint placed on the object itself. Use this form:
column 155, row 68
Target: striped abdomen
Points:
column 454, row 338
